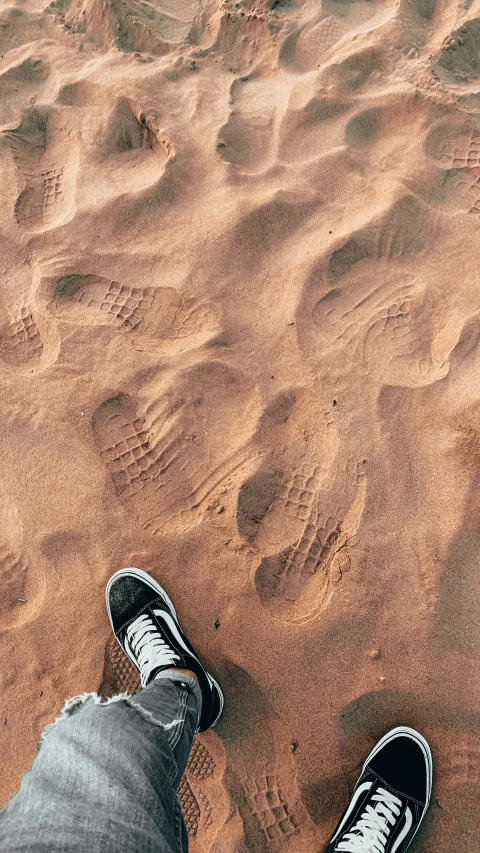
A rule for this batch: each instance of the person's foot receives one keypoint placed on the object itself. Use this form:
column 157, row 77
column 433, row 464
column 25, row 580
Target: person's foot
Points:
column 146, row 625
column 390, row 798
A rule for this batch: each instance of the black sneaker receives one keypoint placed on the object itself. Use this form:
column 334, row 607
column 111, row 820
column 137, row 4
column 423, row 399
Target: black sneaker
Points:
column 145, row 624
column 390, row 798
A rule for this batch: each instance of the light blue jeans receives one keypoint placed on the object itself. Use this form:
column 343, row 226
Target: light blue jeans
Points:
column 106, row 775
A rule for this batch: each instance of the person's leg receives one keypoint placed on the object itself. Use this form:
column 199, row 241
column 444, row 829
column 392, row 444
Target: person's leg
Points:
column 106, row 776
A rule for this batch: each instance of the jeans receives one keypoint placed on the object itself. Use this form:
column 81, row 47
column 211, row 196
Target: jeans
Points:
column 106, row 776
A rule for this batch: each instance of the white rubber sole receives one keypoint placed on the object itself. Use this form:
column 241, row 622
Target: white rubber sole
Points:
column 418, row 738
column 146, row 578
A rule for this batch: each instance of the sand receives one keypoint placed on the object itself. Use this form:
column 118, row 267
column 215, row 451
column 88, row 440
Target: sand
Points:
column 239, row 348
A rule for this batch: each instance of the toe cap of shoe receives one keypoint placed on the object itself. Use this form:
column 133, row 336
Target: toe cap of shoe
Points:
column 402, row 762
column 127, row 596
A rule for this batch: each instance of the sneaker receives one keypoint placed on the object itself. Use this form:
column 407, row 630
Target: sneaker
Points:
column 146, row 625
column 390, row 798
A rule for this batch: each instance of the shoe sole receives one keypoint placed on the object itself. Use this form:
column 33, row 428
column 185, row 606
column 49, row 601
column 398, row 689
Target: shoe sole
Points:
column 146, row 578
column 418, row 738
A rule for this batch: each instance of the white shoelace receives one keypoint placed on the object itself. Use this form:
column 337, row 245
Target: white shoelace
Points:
column 370, row 833
column 149, row 647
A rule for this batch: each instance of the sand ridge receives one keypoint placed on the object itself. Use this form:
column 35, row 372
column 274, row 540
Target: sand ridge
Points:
column 239, row 342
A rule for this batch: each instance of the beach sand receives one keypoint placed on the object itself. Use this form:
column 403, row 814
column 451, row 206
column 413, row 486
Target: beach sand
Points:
column 239, row 348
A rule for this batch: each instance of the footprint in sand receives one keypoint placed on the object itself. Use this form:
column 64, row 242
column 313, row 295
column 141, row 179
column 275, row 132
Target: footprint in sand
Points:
column 19, row 27
column 397, row 331
column 23, row 588
column 46, row 155
column 243, row 37
column 133, row 155
column 352, row 73
column 302, row 513
column 246, row 139
column 396, row 342
column 22, row 580
column 267, row 813
column 460, row 53
column 463, row 759
column 457, row 754
column 205, row 802
column 306, row 47
column 312, row 124
column 28, row 340
column 17, row 83
column 309, row 47
column 119, row 674
column 297, row 583
column 408, row 228
column 20, row 341
column 455, row 149
column 413, row 24
column 405, row 229
column 454, row 146
column 136, row 26
column 129, row 130
column 261, row 772
column 150, row 313
column 166, row 458
column 305, row 442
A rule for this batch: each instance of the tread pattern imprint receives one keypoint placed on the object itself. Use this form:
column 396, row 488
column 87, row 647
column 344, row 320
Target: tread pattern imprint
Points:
column 159, row 455
column 46, row 153
column 310, row 517
column 150, row 314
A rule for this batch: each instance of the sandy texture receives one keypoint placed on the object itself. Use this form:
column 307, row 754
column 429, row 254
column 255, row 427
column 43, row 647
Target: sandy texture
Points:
column 239, row 348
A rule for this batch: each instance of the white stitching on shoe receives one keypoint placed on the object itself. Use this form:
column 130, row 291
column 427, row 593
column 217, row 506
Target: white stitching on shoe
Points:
column 405, row 830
